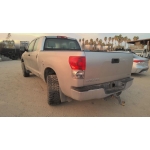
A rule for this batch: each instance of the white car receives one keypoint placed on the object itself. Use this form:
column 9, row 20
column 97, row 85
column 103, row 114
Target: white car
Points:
column 140, row 64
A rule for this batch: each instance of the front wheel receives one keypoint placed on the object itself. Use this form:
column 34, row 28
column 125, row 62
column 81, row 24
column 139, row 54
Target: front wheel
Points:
column 24, row 71
column 53, row 90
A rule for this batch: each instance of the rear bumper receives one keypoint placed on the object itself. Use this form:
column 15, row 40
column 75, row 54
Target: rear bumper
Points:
column 144, row 70
column 139, row 69
column 99, row 91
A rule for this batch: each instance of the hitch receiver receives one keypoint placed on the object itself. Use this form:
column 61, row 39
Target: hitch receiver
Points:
column 119, row 100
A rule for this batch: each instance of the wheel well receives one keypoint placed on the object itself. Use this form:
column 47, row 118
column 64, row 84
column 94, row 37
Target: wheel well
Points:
column 48, row 71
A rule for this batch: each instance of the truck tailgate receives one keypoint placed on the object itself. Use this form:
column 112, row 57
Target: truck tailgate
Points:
column 103, row 67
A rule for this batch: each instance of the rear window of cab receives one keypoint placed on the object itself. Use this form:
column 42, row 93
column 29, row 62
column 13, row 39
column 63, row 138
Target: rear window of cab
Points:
column 61, row 44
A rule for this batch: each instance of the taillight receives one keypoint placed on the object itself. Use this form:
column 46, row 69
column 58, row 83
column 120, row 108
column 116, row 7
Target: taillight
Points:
column 77, row 62
column 138, row 61
column 62, row 37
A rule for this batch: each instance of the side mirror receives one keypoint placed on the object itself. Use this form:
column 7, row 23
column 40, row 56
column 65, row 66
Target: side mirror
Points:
column 25, row 49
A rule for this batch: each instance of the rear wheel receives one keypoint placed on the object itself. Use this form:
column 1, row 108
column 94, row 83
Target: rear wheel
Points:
column 53, row 90
column 24, row 71
column 13, row 57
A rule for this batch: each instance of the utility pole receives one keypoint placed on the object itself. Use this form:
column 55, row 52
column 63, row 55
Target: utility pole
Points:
column 8, row 36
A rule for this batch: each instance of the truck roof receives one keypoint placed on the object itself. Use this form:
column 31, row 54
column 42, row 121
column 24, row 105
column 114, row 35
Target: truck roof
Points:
column 60, row 36
column 54, row 37
column 57, row 37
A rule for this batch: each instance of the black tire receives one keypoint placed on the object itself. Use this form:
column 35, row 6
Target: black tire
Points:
column 53, row 94
column 13, row 57
column 10, row 52
column 24, row 71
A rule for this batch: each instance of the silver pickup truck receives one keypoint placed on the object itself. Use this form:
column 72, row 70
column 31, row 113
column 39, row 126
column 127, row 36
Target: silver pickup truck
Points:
column 73, row 73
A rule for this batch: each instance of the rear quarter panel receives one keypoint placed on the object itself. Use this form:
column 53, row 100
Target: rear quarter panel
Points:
column 59, row 62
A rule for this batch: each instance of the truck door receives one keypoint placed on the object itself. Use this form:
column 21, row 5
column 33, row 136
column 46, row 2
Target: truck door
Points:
column 28, row 54
column 34, row 58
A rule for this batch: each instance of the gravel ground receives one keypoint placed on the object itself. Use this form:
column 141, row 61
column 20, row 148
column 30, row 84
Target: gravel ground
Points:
column 27, row 97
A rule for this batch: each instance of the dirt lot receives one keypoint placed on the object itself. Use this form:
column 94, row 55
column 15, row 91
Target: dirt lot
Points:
column 21, row 96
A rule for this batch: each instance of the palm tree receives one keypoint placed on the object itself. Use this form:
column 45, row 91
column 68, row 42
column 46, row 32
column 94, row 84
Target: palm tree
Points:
column 135, row 38
column 128, row 40
column 109, row 39
column 105, row 39
column 86, row 42
column 94, row 43
column 83, row 41
column 97, row 41
column 112, row 39
column 103, row 44
column 90, row 47
column 120, row 39
column 125, row 40
column 100, row 41
column 116, row 39
column 91, row 42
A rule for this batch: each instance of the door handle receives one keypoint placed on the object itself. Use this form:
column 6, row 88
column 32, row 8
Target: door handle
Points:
column 36, row 55
column 113, row 61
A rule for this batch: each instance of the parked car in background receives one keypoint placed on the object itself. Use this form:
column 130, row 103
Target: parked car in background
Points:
column 8, row 49
column 140, row 64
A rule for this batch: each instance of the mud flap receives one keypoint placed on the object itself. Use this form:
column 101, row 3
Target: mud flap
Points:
column 63, row 97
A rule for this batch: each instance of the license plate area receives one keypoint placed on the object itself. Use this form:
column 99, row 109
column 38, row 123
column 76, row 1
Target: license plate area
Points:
column 115, row 86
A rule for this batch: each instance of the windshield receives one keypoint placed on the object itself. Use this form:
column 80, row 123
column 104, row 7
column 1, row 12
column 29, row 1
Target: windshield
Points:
column 61, row 44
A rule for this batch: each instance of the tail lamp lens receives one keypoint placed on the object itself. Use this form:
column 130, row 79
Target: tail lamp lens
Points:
column 138, row 61
column 77, row 62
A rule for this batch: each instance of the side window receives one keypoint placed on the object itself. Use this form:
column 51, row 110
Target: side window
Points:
column 30, row 49
column 35, row 45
